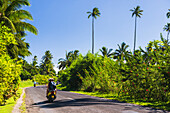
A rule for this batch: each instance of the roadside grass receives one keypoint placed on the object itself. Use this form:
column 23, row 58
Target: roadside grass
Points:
column 23, row 106
column 157, row 105
column 27, row 83
column 10, row 103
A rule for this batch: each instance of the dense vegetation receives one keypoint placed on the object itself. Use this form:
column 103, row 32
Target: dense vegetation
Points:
column 10, row 69
column 13, row 49
column 45, row 68
column 141, row 75
column 144, row 75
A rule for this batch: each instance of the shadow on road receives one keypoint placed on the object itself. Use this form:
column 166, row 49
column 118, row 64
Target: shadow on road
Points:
column 76, row 102
column 91, row 101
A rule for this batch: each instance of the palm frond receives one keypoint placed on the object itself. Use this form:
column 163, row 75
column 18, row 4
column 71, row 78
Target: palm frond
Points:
column 110, row 50
column 26, row 27
column 18, row 15
column 89, row 16
column 16, row 4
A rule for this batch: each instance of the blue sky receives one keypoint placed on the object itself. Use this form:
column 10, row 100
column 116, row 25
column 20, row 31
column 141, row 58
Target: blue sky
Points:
column 63, row 25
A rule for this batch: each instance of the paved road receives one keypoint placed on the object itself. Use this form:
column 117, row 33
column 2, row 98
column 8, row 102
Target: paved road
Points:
column 68, row 102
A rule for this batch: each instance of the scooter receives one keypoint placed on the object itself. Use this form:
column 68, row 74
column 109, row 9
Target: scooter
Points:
column 51, row 95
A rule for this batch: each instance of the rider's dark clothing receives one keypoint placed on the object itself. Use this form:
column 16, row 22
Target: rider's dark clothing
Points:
column 51, row 85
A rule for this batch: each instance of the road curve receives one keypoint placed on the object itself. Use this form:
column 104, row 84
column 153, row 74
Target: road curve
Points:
column 68, row 102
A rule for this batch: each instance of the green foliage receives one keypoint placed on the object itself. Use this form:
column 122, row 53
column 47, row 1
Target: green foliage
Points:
column 26, row 72
column 26, row 83
column 10, row 69
column 70, row 56
column 106, row 52
column 143, row 76
column 13, row 16
column 69, row 77
column 46, row 67
column 43, row 79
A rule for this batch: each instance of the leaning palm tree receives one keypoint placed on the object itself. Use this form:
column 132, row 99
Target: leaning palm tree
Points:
column 106, row 52
column 167, row 28
column 168, row 13
column 94, row 15
column 122, row 52
column 137, row 12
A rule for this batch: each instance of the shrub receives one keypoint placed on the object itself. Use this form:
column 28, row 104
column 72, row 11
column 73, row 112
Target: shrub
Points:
column 43, row 79
column 10, row 69
column 143, row 76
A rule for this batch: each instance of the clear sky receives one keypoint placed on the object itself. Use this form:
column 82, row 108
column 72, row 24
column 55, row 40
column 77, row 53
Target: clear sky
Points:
column 63, row 25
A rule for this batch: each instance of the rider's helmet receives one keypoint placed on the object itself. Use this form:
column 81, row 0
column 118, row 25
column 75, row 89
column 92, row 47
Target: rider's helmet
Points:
column 50, row 79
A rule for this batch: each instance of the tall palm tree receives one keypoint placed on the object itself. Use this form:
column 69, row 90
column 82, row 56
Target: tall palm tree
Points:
column 94, row 15
column 137, row 12
column 168, row 13
column 106, row 52
column 13, row 16
column 122, row 52
column 167, row 28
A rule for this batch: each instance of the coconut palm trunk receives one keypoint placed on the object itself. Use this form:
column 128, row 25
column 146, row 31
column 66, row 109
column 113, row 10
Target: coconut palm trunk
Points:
column 135, row 34
column 93, row 35
column 167, row 35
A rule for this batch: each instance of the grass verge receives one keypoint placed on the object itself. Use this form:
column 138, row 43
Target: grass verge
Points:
column 8, row 107
column 23, row 106
column 157, row 105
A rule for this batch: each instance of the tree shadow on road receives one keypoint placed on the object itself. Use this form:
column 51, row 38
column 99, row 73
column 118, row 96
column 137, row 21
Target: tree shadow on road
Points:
column 93, row 101
column 75, row 102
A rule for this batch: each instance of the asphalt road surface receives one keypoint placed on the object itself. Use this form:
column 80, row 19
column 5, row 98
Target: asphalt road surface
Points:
column 67, row 102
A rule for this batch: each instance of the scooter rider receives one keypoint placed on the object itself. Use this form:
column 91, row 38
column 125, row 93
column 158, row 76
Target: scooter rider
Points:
column 51, row 86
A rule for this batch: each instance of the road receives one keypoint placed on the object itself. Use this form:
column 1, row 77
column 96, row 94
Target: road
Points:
column 68, row 102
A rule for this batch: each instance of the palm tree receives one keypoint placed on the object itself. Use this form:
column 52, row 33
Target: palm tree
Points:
column 75, row 54
column 70, row 56
column 46, row 65
column 122, row 52
column 65, row 62
column 34, row 63
column 13, row 16
column 168, row 13
column 137, row 12
column 167, row 28
column 106, row 52
column 94, row 15
column 34, row 70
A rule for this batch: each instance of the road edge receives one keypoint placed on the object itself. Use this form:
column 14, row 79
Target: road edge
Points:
column 19, row 102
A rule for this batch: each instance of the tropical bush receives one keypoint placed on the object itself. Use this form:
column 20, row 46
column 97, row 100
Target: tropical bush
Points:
column 43, row 79
column 10, row 69
column 70, row 77
column 144, row 75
